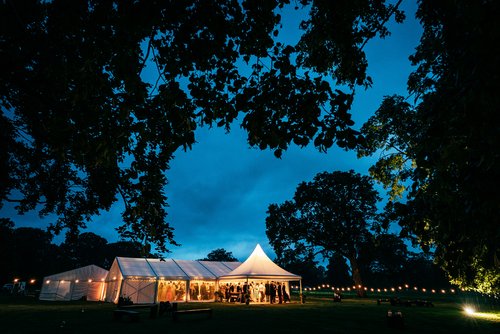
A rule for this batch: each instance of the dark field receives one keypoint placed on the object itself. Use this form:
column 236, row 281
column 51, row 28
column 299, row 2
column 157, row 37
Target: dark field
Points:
column 318, row 315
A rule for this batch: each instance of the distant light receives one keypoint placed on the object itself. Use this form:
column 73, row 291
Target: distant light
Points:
column 469, row 310
column 424, row 290
column 348, row 289
column 359, row 286
column 392, row 289
column 48, row 281
column 378, row 290
column 102, row 279
column 90, row 281
column 16, row 280
column 76, row 281
column 114, row 278
column 433, row 291
column 400, row 288
column 407, row 286
column 442, row 291
column 452, row 291
column 371, row 289
column 415, row 288
column 32, row 281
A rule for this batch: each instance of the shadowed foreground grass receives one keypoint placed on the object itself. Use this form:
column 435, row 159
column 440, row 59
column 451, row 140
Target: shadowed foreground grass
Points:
column 315, row 316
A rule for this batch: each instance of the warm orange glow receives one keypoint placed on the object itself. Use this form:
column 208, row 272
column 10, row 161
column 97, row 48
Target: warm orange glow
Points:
column 32, row 281
column 90, row 281
column 407, row 286
column 114, row 278
column 442, row 291
column 378, row 290
column 400, row 288
column 371, row 289
column 392, row 289
column 415, row 288
column 76, row 281
column 16, row 280
column 48, row 281
column 433, row 291
column 452, row 291
column 424, row 290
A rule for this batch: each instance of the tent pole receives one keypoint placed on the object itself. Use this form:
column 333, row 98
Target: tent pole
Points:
column 155, row 299
column 301, row 297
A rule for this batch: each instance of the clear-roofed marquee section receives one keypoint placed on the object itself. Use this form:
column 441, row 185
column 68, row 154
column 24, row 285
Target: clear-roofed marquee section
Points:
column 145, row 281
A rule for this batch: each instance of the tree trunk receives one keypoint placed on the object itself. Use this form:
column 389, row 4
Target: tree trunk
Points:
column 356, row 276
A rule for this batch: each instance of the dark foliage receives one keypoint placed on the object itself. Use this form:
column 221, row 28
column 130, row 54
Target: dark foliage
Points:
column 82, row 129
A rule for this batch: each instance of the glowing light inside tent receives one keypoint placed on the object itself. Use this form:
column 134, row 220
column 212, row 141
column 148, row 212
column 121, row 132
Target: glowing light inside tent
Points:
column 90, row 281
column 76, row 281
column 48, row 281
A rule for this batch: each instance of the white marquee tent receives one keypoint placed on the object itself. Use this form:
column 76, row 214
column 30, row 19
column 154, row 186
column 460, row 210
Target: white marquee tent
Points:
column 259, row 267
column 85, row 282
column 153, row 280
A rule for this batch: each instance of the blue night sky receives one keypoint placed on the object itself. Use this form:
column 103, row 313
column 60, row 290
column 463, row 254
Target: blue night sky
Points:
column 219, row 191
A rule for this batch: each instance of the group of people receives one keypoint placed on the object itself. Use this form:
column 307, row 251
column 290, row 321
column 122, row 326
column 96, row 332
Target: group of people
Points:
column 260, row 292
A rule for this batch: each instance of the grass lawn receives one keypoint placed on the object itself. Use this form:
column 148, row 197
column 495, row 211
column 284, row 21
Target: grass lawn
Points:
column 317, row 315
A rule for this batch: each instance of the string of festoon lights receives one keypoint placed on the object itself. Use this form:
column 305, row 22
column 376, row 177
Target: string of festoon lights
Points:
column 76, row 281
column 399, row 288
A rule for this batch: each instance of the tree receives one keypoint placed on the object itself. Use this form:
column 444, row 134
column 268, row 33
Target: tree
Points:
column 88, row 248
column 32, row 254
column 331, row 214
column 82, row 128
column 386, row 260
column 445, row 147
column 302, row 262
column 220, row 254
column 6, row 249
column 122, row 248
column 338, row 271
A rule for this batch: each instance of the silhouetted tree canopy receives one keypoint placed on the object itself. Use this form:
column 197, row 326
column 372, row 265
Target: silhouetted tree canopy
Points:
column 333, row 214
column 82, row 128
column 220, row 254
column 444, row 149
column 302, row 261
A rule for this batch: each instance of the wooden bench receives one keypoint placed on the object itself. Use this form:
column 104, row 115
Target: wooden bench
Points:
column 132, row 316
column 176, row 314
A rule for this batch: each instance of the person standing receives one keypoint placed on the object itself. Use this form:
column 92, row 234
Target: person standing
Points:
column 280, row 295
column 286, row 297
column 272, row 293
